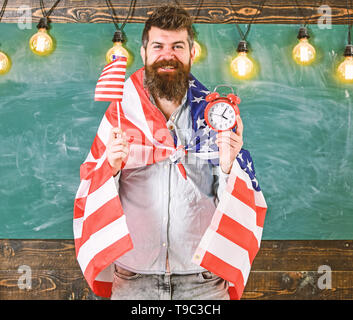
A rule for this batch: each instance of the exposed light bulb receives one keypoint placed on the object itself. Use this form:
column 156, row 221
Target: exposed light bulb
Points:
column 5, row 63
column 117, row 50
column 198, row 51
column 345, row 69
column 242, row 67
column 303, row 53
column 41, row 43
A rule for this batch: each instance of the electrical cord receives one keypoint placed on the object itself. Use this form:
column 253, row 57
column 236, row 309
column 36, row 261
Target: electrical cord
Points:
column 3, row 9
column 349, row 24
column 241, row 33
column 47, row 14
column 302, row 13
column 114, row 15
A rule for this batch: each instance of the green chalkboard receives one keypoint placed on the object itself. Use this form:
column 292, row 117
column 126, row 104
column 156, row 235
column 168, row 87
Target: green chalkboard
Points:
column 298, row 125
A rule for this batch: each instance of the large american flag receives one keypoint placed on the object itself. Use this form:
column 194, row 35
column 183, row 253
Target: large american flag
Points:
column 101, row 234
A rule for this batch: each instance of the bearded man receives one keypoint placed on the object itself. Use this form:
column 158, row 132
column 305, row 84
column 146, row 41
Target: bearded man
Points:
column 166, row 213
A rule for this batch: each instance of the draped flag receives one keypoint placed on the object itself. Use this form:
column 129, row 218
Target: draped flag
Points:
column 233, row 238
column 100, row 230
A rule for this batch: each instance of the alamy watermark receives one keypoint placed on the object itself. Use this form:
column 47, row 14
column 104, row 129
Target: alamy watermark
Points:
column 25, row 280
column 25, row 17
column 325, row 20
column 325, row 281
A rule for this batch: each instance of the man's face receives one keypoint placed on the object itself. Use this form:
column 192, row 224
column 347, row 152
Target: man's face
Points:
column 168, row 60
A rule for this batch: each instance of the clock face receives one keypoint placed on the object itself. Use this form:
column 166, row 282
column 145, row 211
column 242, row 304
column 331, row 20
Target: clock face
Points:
column 221, row 116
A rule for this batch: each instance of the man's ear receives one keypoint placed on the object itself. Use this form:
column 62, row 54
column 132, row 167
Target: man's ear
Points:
column 143, row 54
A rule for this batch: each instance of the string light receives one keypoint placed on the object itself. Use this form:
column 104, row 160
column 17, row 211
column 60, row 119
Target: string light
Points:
column 345, row 69
column 199, row 55
column 5, row 63
column 42, row 43
column 303, row 53
column 118, row 48
column 198, row 51
column 242, row 66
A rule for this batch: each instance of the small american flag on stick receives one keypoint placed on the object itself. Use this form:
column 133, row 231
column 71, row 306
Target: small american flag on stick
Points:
column 110, row 84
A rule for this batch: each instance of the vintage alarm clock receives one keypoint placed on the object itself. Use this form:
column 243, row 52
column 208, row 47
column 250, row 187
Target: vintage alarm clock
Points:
column 221, row 111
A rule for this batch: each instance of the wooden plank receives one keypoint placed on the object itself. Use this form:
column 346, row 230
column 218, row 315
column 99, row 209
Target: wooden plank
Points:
column 307, row 254
column 55, row 272
column 283, row 269
column 297, row 285
column 210, row 11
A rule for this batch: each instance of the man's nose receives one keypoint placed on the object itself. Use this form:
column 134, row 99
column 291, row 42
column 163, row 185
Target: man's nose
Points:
column 168, row 53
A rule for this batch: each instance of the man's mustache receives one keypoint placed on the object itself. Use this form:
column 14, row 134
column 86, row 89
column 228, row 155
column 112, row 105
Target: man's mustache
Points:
column 167, row 63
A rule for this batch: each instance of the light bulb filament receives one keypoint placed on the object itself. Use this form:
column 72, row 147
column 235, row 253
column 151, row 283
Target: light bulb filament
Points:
column 349, row 72
column 345, row 69
column 40, row 45
column 304, row 54
column 241, row 67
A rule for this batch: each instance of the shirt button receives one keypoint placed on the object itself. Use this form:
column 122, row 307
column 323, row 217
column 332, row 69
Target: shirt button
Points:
column 163, row 244
column 171, row 127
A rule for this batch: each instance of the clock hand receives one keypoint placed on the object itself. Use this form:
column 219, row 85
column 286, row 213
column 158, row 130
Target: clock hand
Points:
column 225, row 109
column 220, row 115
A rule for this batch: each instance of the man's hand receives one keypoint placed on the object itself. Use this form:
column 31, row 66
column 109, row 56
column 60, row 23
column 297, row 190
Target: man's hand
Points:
column 117, row 149
column 229, row 144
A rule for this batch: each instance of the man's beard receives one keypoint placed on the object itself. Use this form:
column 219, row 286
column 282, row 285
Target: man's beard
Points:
column 171, row 86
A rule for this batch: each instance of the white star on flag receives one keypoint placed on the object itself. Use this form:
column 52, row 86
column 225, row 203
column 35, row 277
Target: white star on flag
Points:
column 249, row 165
column 198, row 100
column 255, row 181
column 240, row 156
column 192, row 83
column 200, row 122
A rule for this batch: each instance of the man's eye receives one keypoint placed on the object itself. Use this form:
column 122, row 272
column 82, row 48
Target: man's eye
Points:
column 178, row 47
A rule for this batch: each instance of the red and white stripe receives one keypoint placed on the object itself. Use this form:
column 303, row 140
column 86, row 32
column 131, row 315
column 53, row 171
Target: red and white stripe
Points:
column 100, row 230
column 110, row 84
column 233, row 238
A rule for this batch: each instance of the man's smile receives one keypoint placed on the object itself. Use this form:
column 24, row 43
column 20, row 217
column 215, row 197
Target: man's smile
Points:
column 167, row 69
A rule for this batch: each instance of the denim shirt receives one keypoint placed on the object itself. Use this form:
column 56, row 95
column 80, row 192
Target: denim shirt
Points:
column 165, row 213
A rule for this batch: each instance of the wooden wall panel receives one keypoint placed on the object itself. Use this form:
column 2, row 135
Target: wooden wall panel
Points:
column 282, row 270
column 210, row 11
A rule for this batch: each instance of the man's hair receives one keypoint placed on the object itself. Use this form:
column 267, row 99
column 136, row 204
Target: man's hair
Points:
column 169, row 18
